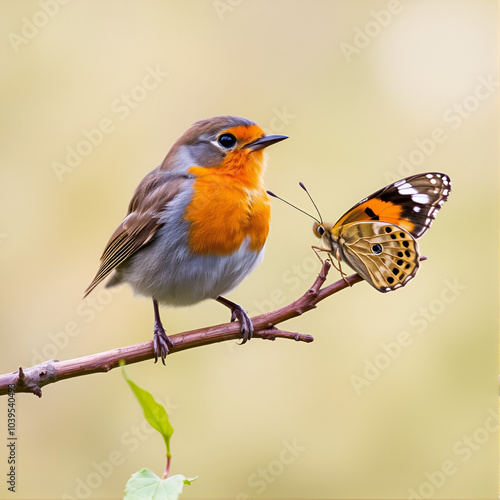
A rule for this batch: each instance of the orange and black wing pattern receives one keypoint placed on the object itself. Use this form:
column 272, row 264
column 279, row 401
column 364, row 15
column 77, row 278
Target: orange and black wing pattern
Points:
column 410, row 203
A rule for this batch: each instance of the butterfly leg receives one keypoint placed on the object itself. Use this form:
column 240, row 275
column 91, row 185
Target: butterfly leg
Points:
column 316, row 251
column 344, row 275
column 339, row 267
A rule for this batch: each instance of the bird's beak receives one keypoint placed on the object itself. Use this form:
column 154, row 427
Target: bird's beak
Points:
column 263, row 142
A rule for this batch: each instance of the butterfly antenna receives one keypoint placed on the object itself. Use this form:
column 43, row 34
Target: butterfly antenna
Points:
column 310, row 197
column 270, row 193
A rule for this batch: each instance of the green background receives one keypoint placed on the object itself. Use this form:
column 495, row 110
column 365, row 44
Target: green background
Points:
column 360, row 88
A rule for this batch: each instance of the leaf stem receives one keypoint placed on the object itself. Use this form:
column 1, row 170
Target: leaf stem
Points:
column 167, row 468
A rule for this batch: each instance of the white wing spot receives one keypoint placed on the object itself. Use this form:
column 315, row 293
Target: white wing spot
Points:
column 396, row 184
column 416, row 209
column 407, row 188
column 420, row 198
column 433, row 181
column 429, row 176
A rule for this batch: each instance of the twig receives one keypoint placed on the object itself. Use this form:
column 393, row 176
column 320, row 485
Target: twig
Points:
column 34, row 378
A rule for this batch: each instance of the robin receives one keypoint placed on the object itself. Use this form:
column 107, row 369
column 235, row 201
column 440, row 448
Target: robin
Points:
column 197, row 224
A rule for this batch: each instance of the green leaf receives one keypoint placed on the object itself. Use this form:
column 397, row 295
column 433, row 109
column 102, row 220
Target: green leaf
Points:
column 146, row 485
column 154, row 412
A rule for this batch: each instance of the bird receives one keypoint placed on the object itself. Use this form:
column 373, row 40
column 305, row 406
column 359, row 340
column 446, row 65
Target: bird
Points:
column 197, row 224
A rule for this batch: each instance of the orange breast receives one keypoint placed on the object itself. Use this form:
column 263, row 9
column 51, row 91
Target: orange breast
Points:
column 227, row 208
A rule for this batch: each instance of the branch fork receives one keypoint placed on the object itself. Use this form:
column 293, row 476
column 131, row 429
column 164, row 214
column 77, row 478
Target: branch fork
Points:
column 34, row 378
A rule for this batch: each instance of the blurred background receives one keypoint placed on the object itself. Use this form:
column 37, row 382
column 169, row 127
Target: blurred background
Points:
column 396, row 397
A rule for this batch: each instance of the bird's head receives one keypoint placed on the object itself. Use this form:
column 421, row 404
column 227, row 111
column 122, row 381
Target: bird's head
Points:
column 230, row 143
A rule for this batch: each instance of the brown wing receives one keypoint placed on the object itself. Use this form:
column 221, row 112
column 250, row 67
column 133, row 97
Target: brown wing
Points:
column 384, row 254
column 155, row 191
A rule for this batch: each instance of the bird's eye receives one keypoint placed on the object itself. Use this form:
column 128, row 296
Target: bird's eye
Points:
column 320, row 230
column 227, row 141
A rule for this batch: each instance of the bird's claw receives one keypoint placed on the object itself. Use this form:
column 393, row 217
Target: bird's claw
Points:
column 161, row 342
column 246, row 325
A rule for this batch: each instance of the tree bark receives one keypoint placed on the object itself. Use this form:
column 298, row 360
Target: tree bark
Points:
column 34, row 378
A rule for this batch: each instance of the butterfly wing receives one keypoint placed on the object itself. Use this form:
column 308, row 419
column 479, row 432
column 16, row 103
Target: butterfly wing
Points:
column 384, row 254
column 410, row 203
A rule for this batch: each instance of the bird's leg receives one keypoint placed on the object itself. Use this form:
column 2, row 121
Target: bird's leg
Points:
column 238, row 313
column 161, row 340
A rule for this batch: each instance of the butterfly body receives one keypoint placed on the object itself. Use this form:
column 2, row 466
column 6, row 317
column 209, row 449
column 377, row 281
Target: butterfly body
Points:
column 377, row 237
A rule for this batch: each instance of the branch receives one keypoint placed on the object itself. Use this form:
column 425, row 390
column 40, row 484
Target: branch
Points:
column 34, row 378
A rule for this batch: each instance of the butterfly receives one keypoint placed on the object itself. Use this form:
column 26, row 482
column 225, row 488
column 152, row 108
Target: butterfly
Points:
column 378, row 236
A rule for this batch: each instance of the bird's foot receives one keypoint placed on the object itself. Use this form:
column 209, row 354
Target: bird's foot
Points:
column 161, row 342
column 238, row 313
column 246, row 325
